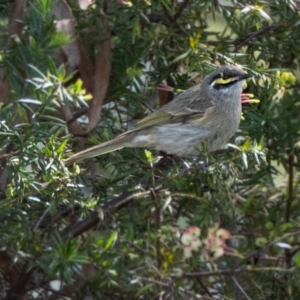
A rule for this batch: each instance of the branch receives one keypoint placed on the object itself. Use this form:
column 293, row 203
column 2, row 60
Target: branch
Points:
column 235, row 271
column 76, row 115
column 18, row 289
column 240, row 288
column 290, row 187
column 93, row 219
column 255, row 34
column 239, row 43
column 254, row 253
column 289, row 201
column 79, row 228
column 180, row 10
column 8, row 270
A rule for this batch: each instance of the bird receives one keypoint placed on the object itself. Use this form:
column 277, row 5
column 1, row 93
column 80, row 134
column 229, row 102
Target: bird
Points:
column 209, row 113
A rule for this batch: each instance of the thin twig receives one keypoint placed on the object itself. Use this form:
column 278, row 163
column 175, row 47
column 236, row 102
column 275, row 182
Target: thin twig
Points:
column 76, row 115
column 190, row 196
column 38, row 223
column 157, row 213
column 206, row 290
column 19, row 286
column 289, row 201
column 7, row 155
column 252, row 254
column 93, row 218
column 290, row 188
column 145, row 252
column 235, row 271
column 255, row 34
column 240, row 288
column 180, row 10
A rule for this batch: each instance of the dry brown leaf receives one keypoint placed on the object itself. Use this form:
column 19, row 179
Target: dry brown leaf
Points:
column 101, row 77
column 163, row 97
column 95, row 77
column 65, row 23
column 15, row 25
column 7, row 270
column 4, row 85
column 74, row 127
column 15, row 17
column 86, row 67
column 71, row 50
column 84, row 4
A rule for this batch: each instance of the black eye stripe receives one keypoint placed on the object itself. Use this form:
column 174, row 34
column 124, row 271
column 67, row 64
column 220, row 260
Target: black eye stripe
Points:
column 226, row 76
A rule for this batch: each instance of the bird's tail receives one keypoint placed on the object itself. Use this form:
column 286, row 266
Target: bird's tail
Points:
column 115, row 144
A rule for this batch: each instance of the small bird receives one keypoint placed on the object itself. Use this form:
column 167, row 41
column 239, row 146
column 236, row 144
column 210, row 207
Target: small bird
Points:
column 206, row 113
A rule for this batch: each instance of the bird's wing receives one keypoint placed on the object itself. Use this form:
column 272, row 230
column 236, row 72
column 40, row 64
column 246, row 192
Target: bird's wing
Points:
column 185, row 108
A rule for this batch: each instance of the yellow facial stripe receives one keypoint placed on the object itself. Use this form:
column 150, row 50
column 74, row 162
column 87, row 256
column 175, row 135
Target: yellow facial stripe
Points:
column 223, row 81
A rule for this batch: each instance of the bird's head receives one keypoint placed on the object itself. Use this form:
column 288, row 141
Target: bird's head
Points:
column 225, row 83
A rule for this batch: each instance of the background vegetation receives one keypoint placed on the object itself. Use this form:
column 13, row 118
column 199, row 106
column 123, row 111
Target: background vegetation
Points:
column 136, row 224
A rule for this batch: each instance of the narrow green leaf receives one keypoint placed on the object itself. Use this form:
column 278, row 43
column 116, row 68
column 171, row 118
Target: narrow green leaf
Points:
column 30, row 101
column 111, row 240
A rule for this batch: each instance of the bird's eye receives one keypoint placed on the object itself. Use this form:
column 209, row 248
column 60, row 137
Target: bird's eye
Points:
column 223, row 76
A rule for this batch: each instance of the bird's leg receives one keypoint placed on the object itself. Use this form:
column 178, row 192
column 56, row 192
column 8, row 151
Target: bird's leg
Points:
column 169, row 159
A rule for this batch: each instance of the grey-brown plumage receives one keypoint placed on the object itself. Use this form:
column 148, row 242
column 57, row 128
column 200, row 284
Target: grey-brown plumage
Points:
column 209, row 112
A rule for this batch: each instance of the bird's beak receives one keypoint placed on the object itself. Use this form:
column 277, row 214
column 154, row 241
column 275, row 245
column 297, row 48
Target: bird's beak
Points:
column 245, row 76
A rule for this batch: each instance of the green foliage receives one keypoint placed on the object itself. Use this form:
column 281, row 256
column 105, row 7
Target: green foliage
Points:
column 139, row 200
